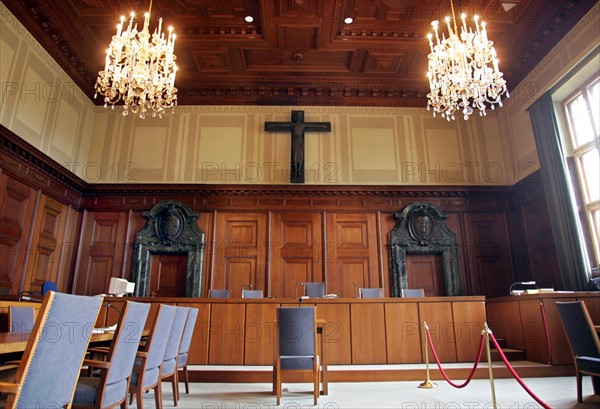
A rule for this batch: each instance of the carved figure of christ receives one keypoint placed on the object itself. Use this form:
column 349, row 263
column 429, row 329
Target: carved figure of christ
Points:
column 297, row 127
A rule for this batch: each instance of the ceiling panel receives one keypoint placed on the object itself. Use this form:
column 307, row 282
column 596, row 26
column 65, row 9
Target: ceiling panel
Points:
column 298, row 52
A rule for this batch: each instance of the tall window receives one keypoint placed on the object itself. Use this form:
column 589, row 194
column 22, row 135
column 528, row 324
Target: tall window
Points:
column 583, row 113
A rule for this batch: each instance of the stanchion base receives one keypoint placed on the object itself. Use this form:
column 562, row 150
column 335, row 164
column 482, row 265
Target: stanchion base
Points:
column 428, row 385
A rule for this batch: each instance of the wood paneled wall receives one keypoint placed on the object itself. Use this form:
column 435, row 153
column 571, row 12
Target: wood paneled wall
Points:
column 57, row 227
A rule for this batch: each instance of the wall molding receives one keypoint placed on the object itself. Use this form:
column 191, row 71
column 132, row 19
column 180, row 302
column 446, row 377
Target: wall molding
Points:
column 27, row 164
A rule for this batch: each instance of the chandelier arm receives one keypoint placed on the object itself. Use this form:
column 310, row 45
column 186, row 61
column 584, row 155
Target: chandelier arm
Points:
column 453, row 16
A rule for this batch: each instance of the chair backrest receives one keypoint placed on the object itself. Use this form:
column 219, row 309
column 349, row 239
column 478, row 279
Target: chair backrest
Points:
column 20, row 319
column 157, row 343
column 219, row 293
column 174, row 341
column 412, row 292
column 121, row 355
column 48, row 286
column 252, row 294
column 188, row 332
column 55, row 350
column 579, row 328
column 126, row 340
column 314, row 290
column 370, row 292
column 296, row 329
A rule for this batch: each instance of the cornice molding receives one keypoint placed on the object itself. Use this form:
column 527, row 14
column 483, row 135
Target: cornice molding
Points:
column 26, row 163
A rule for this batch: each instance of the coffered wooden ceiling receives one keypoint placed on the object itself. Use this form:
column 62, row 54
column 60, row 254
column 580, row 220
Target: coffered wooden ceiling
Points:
column 297, row 52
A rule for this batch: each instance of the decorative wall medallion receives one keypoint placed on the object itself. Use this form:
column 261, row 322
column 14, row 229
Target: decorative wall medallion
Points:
column 421, row 226
column 170, row 224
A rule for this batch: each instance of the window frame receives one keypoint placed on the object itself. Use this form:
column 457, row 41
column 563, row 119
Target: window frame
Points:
column 586, row 207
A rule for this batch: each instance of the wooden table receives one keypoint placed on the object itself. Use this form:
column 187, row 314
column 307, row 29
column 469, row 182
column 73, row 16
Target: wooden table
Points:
column 17, row 341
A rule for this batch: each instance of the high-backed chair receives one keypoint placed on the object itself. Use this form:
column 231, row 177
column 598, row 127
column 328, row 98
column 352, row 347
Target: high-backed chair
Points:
column 48, row 286
column 147, row 367
column 412, row 292
column 252, row 294
column 314, row 290
column 55, row 349
column 20, row 319
column 112, row 387
column 184, row 349
column 295, row 346
column 219, row 293
column 583, row 340
column 370, row 292
column 169, row 366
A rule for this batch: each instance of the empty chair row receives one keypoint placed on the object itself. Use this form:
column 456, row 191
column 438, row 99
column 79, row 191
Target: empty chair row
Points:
column 317, row 290
column 126, row 368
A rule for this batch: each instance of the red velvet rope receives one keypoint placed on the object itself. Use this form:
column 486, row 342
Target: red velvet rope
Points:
column 512, row 371
column 481, row 343
column 545, row 321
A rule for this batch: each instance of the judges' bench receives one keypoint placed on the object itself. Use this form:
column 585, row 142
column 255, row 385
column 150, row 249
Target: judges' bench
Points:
column 356, row 331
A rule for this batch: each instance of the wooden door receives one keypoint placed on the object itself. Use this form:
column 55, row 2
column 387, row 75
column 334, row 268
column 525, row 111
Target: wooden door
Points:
column 425, row 271
column 240, row 252
column 297, row 249
column 351, row 253
column 168, row 275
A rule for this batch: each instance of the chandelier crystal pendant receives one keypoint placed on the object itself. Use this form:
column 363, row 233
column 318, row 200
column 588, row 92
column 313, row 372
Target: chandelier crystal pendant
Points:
column 460, row 75
column 140, row 70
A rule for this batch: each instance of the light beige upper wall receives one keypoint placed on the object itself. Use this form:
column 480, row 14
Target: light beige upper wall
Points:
column 224, row 144
column 38, row 101
column 515, row 124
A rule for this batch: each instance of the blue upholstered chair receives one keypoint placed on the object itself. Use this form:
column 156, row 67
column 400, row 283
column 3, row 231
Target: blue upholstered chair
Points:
column 169, row 366
column 48, row 286
column 219, row 293
column 147, row 367
column 252, row 294
column 584, row 342
column 20, row 319
column 295, row 347
column 370, row 292
column 412, row 292
column 52, row 359
column 184, row 349
column 314, row 290
column 112, row 387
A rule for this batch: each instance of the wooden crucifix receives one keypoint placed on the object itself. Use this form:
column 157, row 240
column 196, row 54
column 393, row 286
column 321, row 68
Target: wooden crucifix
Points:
column 297, row 127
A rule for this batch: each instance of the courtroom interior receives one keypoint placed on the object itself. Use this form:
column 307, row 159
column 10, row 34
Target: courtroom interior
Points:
column 305, row 164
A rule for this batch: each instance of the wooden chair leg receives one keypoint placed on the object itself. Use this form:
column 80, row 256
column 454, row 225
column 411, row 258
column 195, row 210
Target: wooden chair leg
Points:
column 316, row 386
column 186, row 379
column 278, row 386
column 139, row 398
column 158, row 395
column 175, row 388
column 579, row 382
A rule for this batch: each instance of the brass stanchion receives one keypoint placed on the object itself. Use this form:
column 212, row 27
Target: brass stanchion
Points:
column 427, row 384
column 487, row 331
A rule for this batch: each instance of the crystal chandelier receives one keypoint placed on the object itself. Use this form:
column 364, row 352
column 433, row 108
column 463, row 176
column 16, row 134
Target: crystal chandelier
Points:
column 459, row 74
column 140, row 70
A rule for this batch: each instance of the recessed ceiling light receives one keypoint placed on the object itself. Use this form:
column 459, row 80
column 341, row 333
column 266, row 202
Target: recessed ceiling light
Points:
column 249, row 19
column 348, row 20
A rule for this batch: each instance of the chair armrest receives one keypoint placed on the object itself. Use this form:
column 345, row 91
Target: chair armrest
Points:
column 12, row 363
column 9, row 387
column 142, row 354
column 96, row 364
